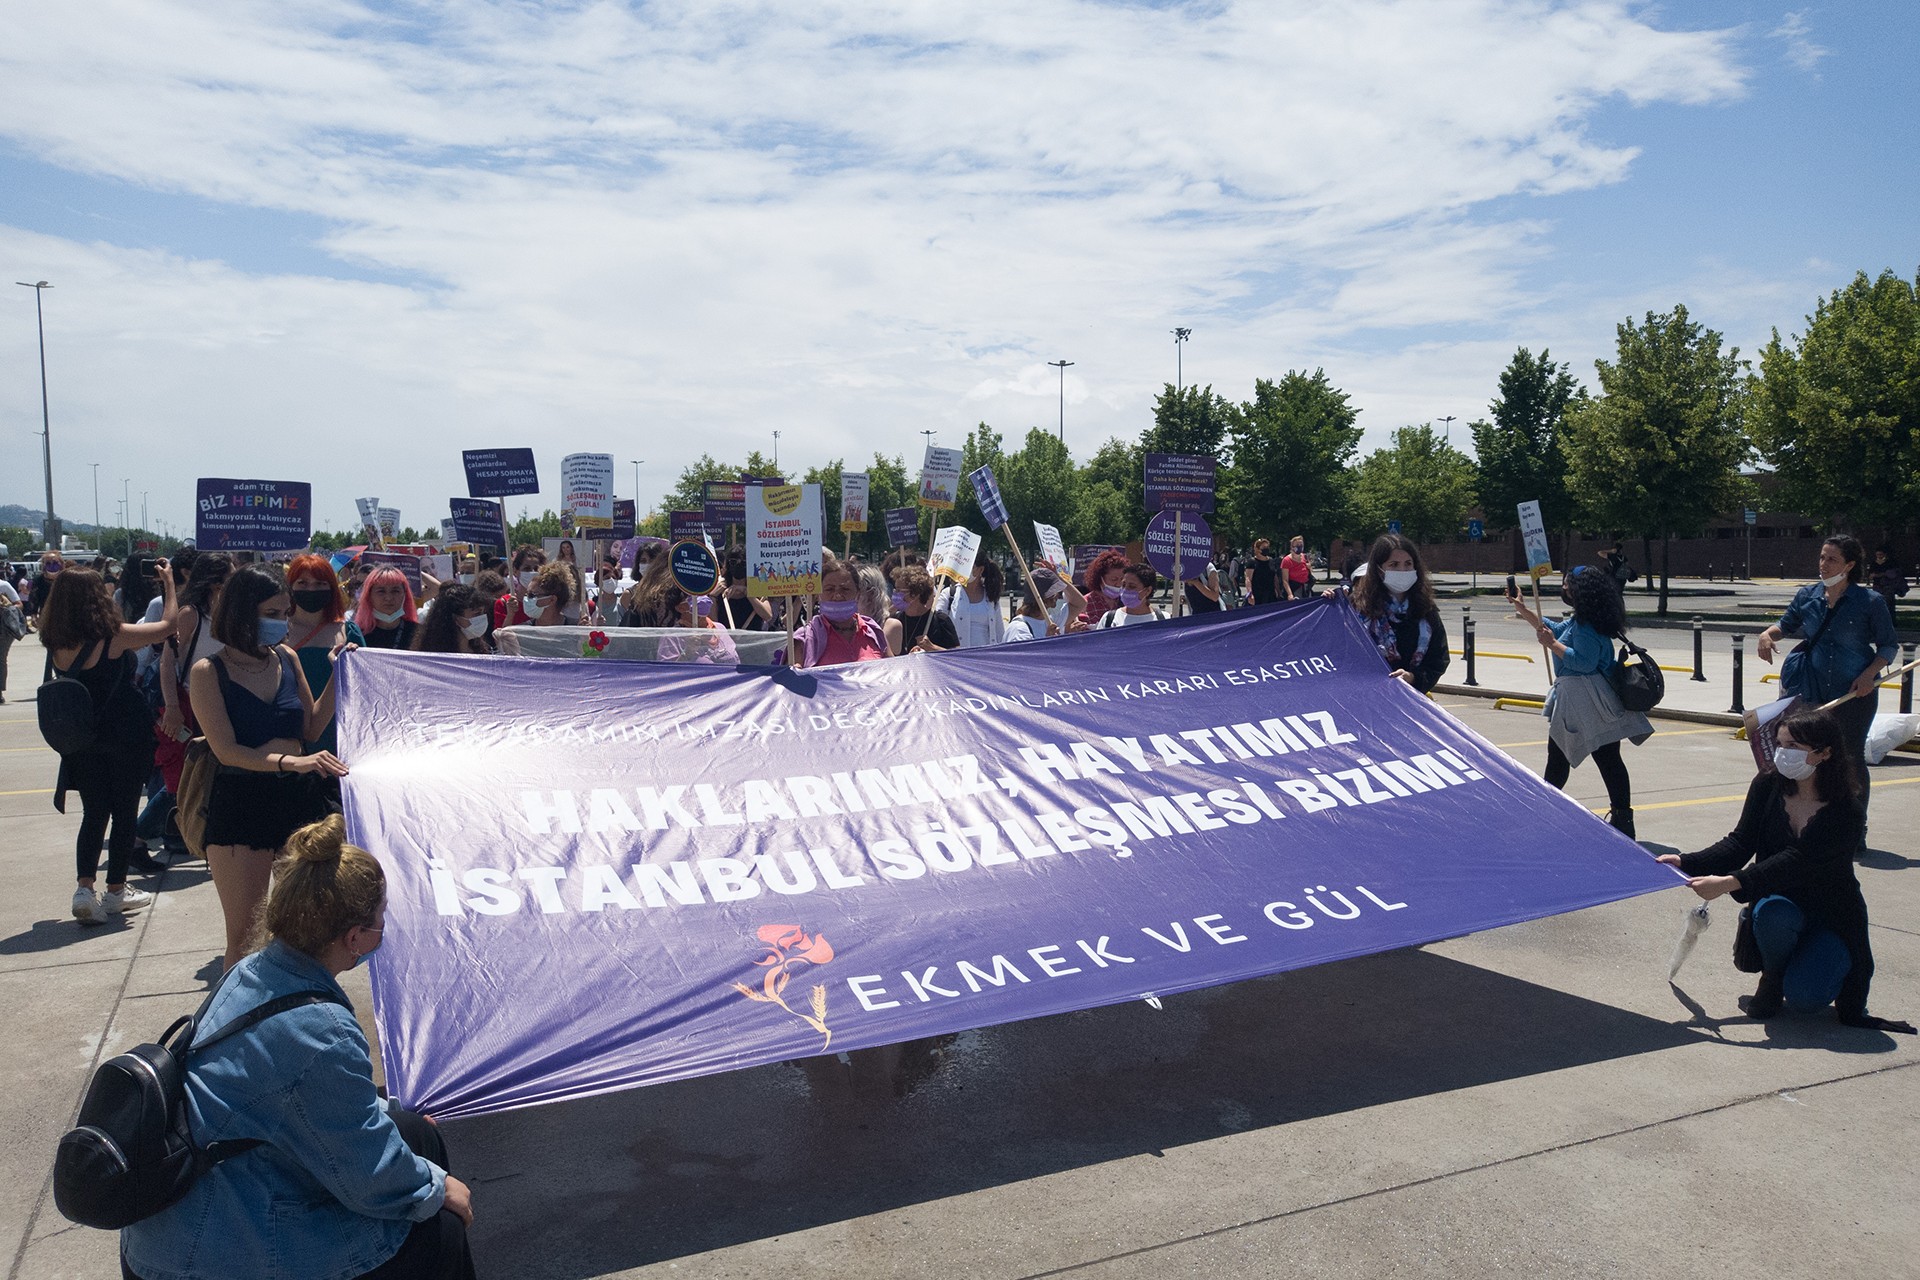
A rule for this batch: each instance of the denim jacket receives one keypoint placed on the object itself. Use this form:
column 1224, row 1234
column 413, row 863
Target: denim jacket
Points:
column 1862, row 630
column 333, row 1191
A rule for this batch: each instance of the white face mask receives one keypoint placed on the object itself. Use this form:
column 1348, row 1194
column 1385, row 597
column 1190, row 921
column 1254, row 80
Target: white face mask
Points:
column 527, row 576
column 539, row 604
column 466, row 579
column 387, row 618
column 475, row 627
column 1058, row 612
column 1400, row 581
column 1792, row 763
column 1835, row 580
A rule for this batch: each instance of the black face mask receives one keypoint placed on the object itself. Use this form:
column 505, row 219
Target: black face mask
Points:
column 313, row 600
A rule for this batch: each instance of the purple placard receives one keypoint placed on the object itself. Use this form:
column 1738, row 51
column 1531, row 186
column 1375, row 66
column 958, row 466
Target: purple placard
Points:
column 772, row 865
column 1181, row 537
column 993, row 508
column 1086, row 553
column 1183, row 481
column 479, row 521
column 623, row 520
column 726, row 503
column 500, row 473
column 253, row 515
column 903, row 527
column 406, row 564
column 689, row 524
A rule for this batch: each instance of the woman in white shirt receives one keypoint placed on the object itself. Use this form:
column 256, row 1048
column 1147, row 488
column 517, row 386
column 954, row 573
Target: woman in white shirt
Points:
column 1054, row 613
column 975, row 608
column 1136, row 598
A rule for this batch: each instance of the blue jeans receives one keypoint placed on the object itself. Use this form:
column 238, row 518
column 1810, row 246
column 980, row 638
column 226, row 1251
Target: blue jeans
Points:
column 1813, row 959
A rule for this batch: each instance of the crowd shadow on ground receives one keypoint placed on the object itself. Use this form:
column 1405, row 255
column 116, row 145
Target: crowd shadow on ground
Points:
column 586, row 1188
column 57, row 933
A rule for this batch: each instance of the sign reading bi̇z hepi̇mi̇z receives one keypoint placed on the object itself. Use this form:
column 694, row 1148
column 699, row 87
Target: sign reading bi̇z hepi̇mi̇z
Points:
column 253, row 515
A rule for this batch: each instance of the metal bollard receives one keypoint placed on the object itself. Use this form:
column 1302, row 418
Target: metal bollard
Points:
column 1466, row 647
column 1906, row 683
column 1739, row 673
column 1699, row 661
column 1709, row 571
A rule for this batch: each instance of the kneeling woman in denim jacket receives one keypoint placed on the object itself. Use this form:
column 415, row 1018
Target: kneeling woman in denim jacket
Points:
column 1791, row 860
column 343, row 1184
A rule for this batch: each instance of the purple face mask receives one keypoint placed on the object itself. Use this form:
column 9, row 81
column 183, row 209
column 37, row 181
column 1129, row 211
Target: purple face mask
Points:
column 1112, row 593
column 703, row 606
column 898, row 600
column 1130, row 599
column 839, row 610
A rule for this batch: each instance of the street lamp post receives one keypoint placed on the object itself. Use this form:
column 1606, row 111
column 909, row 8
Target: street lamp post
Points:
column 126, row 512
column 1180, row 337
column 97, row 530
column 1062, row 366
column 776, row 451
column 1447, row 423
column 52, row 528
column 636, row 485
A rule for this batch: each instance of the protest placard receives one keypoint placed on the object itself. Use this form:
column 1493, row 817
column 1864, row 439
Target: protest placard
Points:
column 389, row 523
column 1142, row 811
column 448, row 533
column 783, row 540
column 853, row 502
column 694, row 567
column 726, row 503
column 1178, row 543
column 623, row 519
column 993, row 509
column 252, row 515
column 1053, row 552
column 689, row 524
column 440, row 566
column 479, row 521
column 499, row 473
column 369, row 509
column 1534, row 530
column 903, row 526
column 940, row 477
column 1085, row 553
column 586, row 488
column 407, row 564
column 954, row 550
column 1179, row 480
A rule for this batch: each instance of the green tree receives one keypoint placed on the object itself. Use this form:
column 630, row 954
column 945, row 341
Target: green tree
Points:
column 1838, row 412
column 1520, row 454
column 1659, row 451
column 888, row 486
column 1291, row 445
column 982, row 448
column 1038, row 483
column 827, row 476
column 529, row 529
column 689, row 492
column 1108, row 496
column 1189, row 420
column 1418, row 479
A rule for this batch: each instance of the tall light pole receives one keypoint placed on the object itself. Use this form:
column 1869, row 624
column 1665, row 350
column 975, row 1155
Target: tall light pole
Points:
column 776, row 451
column 143, row 509
column 52, row 528
column 97, row 530
column 126, row 512
column 1447, row 422
column 1180, row 337
column 1062, row 366
column 636, row 485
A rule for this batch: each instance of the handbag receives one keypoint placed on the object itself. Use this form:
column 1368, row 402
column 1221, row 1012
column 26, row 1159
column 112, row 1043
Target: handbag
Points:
column 1794, row 670
column 191, row 797
column 1637, row 679
column 1746, row 949
column 13, row 620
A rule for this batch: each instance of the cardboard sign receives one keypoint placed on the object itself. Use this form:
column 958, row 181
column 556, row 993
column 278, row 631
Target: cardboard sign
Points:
column 447, row 532
column 993, row 508
column 1534, row 530
column 1085, row 553
column 1178, row 544
column 940, row 478
column 499, row 473
column 440, row 566
column 694, row 568
column 1053, row 552
column 687, row 524
column 389, row 523
column 582, row 551
column 783, row 540
column 1180, row 481
column 853, row 502
column 253, row 515
column 586, row 486
column 480, row 522
column 903, row 527
column 726, row 503
column 954, row 550
column 369, row 509
column 623, row 519
column 409, row 565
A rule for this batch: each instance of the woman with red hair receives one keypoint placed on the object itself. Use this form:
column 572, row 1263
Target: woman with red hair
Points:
column 1101, row 582
column 387, row 616
column 319, row 626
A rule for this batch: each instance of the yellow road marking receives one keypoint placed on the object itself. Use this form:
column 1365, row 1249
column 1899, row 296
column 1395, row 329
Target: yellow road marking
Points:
column 12, row 750
column 43, row 791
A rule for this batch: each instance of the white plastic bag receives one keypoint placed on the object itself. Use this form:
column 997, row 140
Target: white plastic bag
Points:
column 1890, row 730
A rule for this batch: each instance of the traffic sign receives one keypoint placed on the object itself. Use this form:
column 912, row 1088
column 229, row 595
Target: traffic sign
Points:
column 1393, row 526
column 1476, row 530
column 1753, row 517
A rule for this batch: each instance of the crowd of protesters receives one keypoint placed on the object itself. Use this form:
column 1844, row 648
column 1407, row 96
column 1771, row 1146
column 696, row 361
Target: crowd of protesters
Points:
column 200, row 666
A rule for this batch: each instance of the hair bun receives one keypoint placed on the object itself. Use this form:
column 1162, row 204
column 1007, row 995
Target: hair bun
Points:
column 320, row 841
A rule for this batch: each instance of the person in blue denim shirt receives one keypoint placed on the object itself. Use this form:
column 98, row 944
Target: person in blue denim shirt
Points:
column 1854, row 649
column 343, row 1184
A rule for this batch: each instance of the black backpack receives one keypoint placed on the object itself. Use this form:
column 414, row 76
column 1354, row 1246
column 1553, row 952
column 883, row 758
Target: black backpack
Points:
column 132, row 1154
column 69, row 718
column 1637, row 679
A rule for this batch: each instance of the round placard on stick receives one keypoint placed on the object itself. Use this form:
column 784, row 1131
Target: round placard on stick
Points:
column 1181, row 537
column 694, row 569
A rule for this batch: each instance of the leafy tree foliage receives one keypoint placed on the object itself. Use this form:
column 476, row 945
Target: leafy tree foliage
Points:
column 1420, row 480
column 1658, row 452
column 1837, row 413
column 1291, row 445
column 1189, row 420
column 1520, row 455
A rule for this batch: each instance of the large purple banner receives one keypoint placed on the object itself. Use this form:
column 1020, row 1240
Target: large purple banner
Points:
column 608, row 874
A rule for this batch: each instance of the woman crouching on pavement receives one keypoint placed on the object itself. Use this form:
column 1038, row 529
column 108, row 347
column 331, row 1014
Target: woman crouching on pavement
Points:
column 344, row 1183
column 1790, row 859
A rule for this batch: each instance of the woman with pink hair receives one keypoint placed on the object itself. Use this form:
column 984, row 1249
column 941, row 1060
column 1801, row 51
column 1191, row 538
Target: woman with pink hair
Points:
column 386, row 614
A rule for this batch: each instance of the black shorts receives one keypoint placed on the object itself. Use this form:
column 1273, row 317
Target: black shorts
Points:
column 260, row 810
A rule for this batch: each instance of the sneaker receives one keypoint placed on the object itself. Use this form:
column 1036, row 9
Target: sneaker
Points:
column 120, row 902
column 86, row 907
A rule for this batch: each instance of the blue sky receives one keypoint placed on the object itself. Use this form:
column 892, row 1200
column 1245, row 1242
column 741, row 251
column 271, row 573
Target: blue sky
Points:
column 338, row 243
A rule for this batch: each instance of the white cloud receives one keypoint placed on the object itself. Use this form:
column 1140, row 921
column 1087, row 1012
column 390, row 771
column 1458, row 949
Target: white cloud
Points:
column 674, row 228
column 1797, row 34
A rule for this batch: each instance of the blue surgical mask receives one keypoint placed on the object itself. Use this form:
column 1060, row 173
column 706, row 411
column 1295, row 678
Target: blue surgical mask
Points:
column 272, row 631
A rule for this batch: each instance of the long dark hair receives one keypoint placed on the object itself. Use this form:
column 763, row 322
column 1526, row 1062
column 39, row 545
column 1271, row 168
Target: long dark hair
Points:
column 1596, row 601
column 1370, row 594
column 210, row 572
column 79, row 610
column 1817, row 729
column 236, row 619
column 441, row 633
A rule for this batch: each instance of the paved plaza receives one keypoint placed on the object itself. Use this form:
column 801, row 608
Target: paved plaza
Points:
column 1532, row 1101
